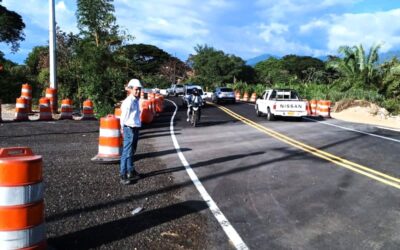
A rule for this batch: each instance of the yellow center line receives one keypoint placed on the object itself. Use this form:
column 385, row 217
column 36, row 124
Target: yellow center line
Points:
column 371, row 173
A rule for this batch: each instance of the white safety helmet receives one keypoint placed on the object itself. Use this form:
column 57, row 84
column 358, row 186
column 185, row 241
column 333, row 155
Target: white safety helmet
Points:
column 134, row 83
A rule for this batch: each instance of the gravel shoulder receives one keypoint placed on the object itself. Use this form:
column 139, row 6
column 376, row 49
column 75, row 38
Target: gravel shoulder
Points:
column 87, row 207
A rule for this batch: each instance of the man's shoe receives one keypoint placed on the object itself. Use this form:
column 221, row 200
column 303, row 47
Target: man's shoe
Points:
column 134, row 175
column 124, row 181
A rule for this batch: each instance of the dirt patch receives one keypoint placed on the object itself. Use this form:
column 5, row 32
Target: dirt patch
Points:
column 361, row 111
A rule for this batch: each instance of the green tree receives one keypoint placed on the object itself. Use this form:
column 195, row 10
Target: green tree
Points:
column 11, row 28
column 271, row 71
column 300, row 66
column 96, row 21
column 213, row 66
column 356, row 68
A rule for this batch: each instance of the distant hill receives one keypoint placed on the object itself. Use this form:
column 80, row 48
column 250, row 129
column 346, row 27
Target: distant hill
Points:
column 382, row 57
column 253, row 61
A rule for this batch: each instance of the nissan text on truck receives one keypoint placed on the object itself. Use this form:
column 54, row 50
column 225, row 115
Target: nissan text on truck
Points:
column 280, row 102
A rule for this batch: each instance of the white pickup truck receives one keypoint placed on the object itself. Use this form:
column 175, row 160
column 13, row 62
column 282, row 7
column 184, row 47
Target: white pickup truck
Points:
column 280, row 102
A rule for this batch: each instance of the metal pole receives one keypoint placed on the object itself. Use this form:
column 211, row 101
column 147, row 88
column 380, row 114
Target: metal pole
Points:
column 52, row 45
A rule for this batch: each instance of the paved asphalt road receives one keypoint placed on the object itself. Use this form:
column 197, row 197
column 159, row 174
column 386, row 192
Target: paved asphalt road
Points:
column 284, row 184
column 291, row 184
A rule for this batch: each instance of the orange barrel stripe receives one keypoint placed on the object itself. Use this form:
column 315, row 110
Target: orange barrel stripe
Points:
column 117, row 112
column 45, row 110
column 313, row 104
column 323, row 108
column 21, row 109
column 21, row 200
column 109, row 136
column 159, row 105
column 151, row 96
column 146, row 115
column 246, row 96
column 253, row 97
column 237, row 96
column 66, row 109
column 88, row 110
column 52, row 95
column 21, row 217
column 308, row 107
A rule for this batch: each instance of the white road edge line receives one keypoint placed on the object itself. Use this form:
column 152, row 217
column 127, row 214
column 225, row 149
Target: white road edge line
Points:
column 354, row 130
column 391, row 129
column 223, row 221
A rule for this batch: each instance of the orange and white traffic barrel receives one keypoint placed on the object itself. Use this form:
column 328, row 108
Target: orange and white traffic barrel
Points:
column 26, row 92
column 45, row 110
column 66, row 109
column 253, row 97
column 142, row 94
column 313, row 104
column 245, row 96
column 159, row 104
column 88, row 110
column 52, row 95
column 21, row 109
column 237, row 96
column 146, row 114
column 308, row 107
column 324, row 108
column 117, row 113
column 21, row 200
column 109, row 140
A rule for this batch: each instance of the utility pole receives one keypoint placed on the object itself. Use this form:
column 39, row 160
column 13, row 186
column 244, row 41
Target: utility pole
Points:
column 52, row 45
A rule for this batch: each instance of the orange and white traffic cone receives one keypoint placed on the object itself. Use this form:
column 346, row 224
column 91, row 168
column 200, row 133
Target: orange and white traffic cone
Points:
column 44, row 109
column 26, row 92
column 109, row 140
column 88, row 110
column 21, row 110
column 66, row 109
column 22, row 223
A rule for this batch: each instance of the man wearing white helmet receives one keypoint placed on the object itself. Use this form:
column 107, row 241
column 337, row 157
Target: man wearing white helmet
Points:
column 130, row 124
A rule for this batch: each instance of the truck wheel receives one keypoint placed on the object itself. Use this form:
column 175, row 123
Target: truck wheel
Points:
column 270, row 116
column 258, row 112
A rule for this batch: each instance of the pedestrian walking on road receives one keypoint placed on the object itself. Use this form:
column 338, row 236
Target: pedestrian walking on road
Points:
column 130, row 125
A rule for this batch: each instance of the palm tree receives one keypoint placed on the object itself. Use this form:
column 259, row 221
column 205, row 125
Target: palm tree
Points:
column 358, row 69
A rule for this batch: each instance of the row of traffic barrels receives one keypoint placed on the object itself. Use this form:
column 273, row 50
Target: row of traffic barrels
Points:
column 319, row 108
column 45, row 111
column 246, row 97
column 51, row 94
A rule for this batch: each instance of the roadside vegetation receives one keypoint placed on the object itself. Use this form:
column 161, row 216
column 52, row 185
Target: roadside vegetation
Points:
column 97, row 62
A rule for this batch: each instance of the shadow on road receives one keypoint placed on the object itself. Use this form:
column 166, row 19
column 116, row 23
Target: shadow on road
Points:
column 100, row 235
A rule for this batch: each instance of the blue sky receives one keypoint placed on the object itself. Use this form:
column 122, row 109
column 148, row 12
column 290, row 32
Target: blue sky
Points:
column 243, row 28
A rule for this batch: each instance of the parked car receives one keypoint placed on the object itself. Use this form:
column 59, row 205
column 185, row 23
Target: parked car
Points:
column 175, row 90
column 281, row 102
column 223, row 94
column 188, row 91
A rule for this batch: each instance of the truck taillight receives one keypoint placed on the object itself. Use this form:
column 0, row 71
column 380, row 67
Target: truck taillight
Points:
column 274, row 107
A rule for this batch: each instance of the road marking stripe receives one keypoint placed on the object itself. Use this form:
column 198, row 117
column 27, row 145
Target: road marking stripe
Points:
column 223, row 221
column 371, row 173
column 391, row 129
column 354, row 130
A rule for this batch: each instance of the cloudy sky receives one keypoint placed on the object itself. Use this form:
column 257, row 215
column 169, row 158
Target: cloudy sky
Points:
column 243, row 28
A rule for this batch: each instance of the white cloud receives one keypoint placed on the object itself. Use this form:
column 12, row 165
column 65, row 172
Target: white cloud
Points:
column 269, row 32
column 363, row 28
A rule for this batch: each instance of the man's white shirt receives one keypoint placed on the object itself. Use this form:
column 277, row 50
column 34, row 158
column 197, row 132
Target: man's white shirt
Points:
column 130, row 112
